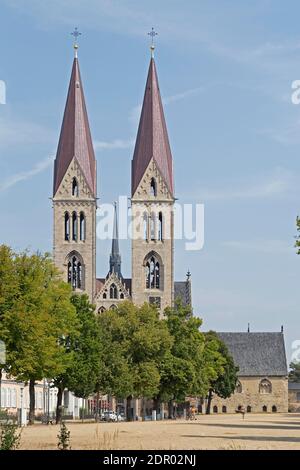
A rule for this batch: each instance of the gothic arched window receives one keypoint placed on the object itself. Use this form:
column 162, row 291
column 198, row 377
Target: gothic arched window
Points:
column 82, row 227
column 75, row 188
column 215, row 409
column 104, row 295
column 152, row 273
column 238, row 388
column 101, row 310
column 265, row 386
column 160, row 226
column 153, row 188
column 113, row 291
column 67, row 226
column 74, row 227
column 122, row 296
column 75, row 273
column 145, row 226
column 152, row 227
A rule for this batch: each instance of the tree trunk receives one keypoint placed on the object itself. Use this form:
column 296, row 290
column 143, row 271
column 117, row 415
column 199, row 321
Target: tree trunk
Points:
column 209, row 399
column 143, row 409
column 128, row 409
column 31, row 401
column 156, row 404
column 170, row 409
column 59, row 404
column 97, row 407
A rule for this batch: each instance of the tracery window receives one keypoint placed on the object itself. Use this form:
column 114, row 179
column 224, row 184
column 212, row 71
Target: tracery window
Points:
column 75, row 273
column 152, row 273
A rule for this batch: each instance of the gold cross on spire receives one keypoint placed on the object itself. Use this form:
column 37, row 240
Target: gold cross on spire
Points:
column 152, row 34
column 76, row 35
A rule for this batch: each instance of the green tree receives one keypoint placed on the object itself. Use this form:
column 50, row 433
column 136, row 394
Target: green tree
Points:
column 137, row 341
column 38, row 322
column 223, row 371
column 294, row 375
column 8, row 293
column 84, row 349
column 183, row 370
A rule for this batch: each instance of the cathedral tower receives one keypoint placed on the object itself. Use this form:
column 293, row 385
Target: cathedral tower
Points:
column 74, row 193
column 152, row 201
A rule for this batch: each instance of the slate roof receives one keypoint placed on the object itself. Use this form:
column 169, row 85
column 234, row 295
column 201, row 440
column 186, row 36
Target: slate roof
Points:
column 294, row 386
column 182, row 291
column 152, row 139
column 75, row 137
column 257, row 354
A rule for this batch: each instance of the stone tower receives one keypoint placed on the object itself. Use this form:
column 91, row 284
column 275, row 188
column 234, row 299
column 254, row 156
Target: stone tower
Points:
column 152, row 202
column 74, row 193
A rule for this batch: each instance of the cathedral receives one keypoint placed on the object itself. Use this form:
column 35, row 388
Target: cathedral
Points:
column 152, row 205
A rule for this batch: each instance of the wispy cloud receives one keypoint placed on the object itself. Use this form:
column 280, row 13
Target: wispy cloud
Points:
column 14, row 132
column 280, row 182
column 117, row 144
column 288, row 135
column 25, row 175
column 261, row 246
column 135, row 112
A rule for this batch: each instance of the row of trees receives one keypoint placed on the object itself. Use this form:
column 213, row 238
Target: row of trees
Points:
column 128, row 352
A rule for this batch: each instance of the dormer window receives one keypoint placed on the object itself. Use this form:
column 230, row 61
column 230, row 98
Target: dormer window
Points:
column 153, row 188
column 75, row 188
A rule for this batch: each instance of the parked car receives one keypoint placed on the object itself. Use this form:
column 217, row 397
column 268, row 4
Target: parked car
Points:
column 110, row 416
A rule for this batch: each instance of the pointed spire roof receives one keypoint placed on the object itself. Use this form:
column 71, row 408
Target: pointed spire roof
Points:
column 152, row 138
column 75, row 137
column 115, row 257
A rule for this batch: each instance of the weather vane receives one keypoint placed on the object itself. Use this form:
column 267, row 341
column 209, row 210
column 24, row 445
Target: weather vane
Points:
column 152, row 34
column 76, row 35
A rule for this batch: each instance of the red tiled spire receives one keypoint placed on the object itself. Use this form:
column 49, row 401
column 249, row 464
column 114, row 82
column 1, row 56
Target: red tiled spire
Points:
column 75, row 137
column 152, row 138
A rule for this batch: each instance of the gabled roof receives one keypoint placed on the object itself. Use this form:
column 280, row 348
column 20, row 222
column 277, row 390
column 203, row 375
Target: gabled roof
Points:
column 257, row 354
column 75, row 137
column 152, row 138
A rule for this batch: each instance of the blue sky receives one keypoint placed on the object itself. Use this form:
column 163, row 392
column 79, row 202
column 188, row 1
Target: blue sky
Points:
column 225, row 70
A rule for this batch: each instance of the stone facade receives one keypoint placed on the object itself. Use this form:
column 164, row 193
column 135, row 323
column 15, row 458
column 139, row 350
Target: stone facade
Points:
column 255, row 398
column 84, row 247
column 153, row 236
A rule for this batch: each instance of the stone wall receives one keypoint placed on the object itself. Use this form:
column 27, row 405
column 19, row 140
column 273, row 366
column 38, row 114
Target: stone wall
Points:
column 250, row 396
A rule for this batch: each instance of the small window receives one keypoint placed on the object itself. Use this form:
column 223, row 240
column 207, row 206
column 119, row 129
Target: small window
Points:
column 155, row 301
column 153, row 189
column 101, row 310
column 265, row 409
column 274, row 409
column 104, row 295
column 122, row 296
column 145, row 226
column 160, row 226
column 75, row 189
column 249, row 409
column 67, row 227
column 152, row 227
column 82, row 227
column 215, row 409
column 265, row 386
column 74, row 227
column 224, row 409
column 238, row 388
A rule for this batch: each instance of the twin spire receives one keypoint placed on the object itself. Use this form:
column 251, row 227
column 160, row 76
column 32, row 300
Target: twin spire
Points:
column 75, row 138
column 76, row 142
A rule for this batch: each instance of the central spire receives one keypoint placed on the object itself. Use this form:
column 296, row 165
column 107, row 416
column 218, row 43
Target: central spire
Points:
column 152, row 138
column 115, row 257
